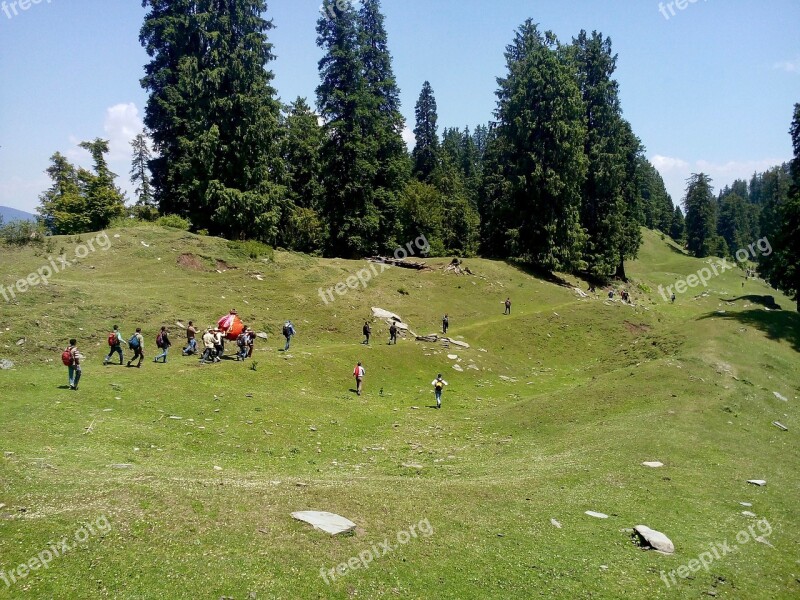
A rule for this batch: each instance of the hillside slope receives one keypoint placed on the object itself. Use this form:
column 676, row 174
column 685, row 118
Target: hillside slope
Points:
column 198, row 467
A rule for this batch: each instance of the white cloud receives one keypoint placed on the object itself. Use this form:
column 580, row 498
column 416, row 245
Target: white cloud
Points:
column 666, row 163
column 408, row 137
column 789, row 66
column 122, row 124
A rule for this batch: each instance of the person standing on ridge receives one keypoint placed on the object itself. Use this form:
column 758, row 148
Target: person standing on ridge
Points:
column 393, row 333
column 445, row 324
column 367, row 331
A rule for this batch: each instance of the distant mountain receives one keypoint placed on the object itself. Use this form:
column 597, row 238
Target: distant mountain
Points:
column 12, row 214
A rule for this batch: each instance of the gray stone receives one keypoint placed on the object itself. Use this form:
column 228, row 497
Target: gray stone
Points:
column 6, row 364
column 555, row 523
column 747, row 513
column 121, row 466
column 380, row 313
column 777, row 395
column 596, row 515
column 416, row 466
column 780, row 426
column 457, row 343
column 653, row 464
column 458, row 368
column 758, row 482
column 655, row 539
column 325, row 521
column 262, row 335
column 452, row 356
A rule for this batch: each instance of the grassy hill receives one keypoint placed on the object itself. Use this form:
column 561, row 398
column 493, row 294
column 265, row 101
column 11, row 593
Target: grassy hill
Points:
column 187, row 473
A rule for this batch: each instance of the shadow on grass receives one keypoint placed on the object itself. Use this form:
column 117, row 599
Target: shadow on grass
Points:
column 768, row 301
column 538, row 273
column 778, row 325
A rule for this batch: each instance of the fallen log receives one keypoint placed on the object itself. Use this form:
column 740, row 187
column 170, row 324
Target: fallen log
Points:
column 396, row 262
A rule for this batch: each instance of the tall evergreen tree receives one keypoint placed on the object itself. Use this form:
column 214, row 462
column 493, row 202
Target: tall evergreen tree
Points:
column 701, row 216
column 213, row 115
column 62, row 208
column 145, row 207
column 536, row 163
column 426, row 151
column 678, row 229
column 104, row 200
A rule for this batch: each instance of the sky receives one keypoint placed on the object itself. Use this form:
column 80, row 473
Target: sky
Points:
column 708, row 85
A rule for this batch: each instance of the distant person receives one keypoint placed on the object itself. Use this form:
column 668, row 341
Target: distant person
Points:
column 288, row 332
column 358, row 373
column 438, row 386
column 393, row 333
column 219, row 345
column 611, row 294
column 625, row 296
column 115, row 342
column 367, row 331
column 251, row 341
column 162, row 342
column 445, row 324
column 209, row 349
column 136, row 343
column 673, row 297
column 191, row 341
column 72, row 360
column 241, row 343
column 508, row 306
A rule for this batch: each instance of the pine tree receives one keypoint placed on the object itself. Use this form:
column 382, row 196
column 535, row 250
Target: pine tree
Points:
column 145, row 207
column 701, row 216
column 536, row 164
column 62, row 207
column 678, row 229
column 426, row 150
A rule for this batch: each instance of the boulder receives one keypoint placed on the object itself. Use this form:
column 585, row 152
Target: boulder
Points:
column 325, row 521
column 780, row 397
column 458, row 343
column 6, row 364
column 262, row 335
column 655, row 539
column 458, row 368
column 380, row 313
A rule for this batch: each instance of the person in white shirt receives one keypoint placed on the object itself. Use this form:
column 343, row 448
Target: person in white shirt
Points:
column 358, row 373
column 438, row 385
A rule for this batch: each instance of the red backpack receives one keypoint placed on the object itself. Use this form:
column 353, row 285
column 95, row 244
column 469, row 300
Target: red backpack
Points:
column 67, row 358
column 112, row 338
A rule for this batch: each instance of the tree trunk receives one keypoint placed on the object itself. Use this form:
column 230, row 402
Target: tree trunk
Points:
column 621, row 271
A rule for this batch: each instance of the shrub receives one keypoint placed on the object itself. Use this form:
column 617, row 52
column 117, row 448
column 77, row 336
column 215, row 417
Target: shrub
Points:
column 22, row 233
column 174, row 222
column 252, row 249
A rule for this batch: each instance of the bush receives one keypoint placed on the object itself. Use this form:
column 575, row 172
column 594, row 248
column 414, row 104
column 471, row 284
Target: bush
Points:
column 21, row 233
column 252, row 249
column 174, row 222
column 120, row 222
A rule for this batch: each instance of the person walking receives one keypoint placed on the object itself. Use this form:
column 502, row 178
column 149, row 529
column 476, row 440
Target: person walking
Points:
column 72, row 360
column 251, row 341
column 136, row 343
column 115, row 342
column 162, row 341
column 367, row 331
column 358, row 373
column 241, row 342
column 438, row 385
column 393, row 333
column 288, row 332
column 191, row 341
column 445, row 324
column 209, row 352
column 219, row 345
column 508, row 306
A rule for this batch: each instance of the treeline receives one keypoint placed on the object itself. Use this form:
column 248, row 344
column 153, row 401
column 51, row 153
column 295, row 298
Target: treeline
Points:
column 766, row 207
column 557, row 179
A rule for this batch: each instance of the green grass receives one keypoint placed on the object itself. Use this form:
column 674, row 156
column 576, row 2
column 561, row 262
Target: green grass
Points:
column 569, row 397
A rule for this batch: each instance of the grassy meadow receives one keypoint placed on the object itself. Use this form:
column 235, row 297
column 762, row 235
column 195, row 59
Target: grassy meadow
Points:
column 196, row 469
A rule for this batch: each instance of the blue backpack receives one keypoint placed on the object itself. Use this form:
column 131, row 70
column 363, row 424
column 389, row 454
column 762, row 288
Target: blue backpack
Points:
column 133, row 342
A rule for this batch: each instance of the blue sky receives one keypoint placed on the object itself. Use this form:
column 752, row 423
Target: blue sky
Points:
column 708, row 87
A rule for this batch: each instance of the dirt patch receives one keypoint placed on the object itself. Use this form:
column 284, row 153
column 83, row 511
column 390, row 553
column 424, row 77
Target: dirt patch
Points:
column 223, row 266
column 633, row 328
column 191, row 261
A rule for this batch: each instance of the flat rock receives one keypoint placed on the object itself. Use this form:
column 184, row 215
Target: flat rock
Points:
column 596, row 515
column 380, row 313
column 262, row 335
column 452, row 356
column 758, row 482
column 458, row 368
column 748, row 504
column 20, row 341
column 121, row 466
column 780, row 397
column 655, row 539
column 179, row 324
column 555, row 523
column 747, row 513
column 325, row 521
column 458, row 343
column 653, row 464
column 412, row 466
column 780, row 426
column 6, row 364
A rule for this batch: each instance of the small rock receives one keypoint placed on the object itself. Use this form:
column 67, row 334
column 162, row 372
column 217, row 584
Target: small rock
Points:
column 416, row 466
column 777, row 395
column 780, row 426
column 758, row 482
column 555, row 523
column 653, row 464
column 262, row 335
column 6, row 364
column 655, row 539
column 325, row 521
column 458, row 368
column 745, row 504
column 596, row 515
column 747, row 513
column 20, row 341
column 217, row 468
column 452, row 356
column 312, row 428
column 121, row 466
column 176, row 418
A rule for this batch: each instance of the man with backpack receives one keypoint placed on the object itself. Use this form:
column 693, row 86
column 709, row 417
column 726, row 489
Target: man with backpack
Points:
column 288, row 332
column 242, row 342
column 358, row 373
column 367, row 331
column 115, row 342
column 162, row 342
column 393, row 333
column 191, row 342
column 72, row 360
column 438, row 385
column 136, row 343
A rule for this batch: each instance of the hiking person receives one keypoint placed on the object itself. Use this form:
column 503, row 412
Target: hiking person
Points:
column 393, row 333
column 367, row 331
column 288, row 331
column 445, row 324
column 251, row 341
column 508, row 306
column 72, row 360
column 136, row 343
column 438, row 385
column 358, row 373
column 209, row 352
column 241, row 342
column 191, row 342
column 162, row 341
column 115, row 342
column 611, row 294
column 219, row 345
column 673, row 297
